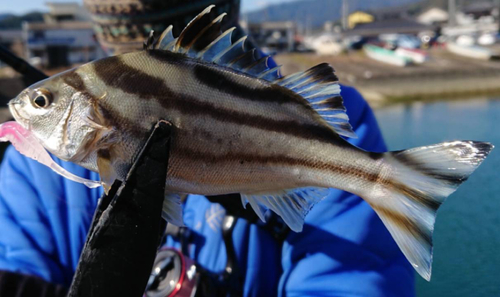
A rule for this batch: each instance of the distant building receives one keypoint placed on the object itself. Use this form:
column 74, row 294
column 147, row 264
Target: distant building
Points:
column 481, row 9
column 433, row 16
column 61, row 44
column 397, row 26
column 65, row 38
column 359, row 17
column 390, row 20
column 274, row 36
column 65, row 11
column 391, row 13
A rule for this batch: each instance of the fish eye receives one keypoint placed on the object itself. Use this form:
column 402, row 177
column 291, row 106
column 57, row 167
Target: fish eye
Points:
column 42, row 98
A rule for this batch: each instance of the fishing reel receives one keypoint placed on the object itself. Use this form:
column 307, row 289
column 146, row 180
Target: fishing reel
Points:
column 175, row 274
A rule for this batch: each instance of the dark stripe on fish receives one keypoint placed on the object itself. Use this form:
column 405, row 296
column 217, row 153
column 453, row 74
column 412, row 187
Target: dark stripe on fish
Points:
column 403, row 222
column 449, row 177
column 114, row 72
column 216, row 79
column 169, row 57
column 189, row 105
column 244, row 158
column 104, row 115
column 415, row 195
column 74, row 80
column 115, row 119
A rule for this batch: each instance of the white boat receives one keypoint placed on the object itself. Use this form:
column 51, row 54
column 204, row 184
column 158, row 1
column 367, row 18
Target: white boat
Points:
column 325, row 45
column 470, row 51
column 415, row 55
column 384, row 55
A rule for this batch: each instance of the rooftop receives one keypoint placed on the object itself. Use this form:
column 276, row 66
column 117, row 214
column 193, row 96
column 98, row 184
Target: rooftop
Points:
column 389, row 26
column 480, row 6
column 273, row 25
column 75, row 25
column 58, row 8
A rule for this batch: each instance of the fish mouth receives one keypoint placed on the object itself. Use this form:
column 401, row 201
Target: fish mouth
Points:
column 13, row 104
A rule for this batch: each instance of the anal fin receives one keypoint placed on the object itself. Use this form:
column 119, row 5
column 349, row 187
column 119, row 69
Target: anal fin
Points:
column 291, row 205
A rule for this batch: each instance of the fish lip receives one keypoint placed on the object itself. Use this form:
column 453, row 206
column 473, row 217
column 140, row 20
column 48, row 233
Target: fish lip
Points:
column 13, row 110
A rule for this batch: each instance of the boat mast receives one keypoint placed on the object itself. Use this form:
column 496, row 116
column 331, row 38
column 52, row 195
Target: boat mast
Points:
column 452, row 12
column 345, row 13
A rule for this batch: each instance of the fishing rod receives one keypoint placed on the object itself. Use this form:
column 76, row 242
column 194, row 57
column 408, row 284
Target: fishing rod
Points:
column 30, row 73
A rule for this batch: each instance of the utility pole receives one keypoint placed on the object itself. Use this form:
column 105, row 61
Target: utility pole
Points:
column 452, row 12
column 308, row 26
column 497, row 5
column 345, row 13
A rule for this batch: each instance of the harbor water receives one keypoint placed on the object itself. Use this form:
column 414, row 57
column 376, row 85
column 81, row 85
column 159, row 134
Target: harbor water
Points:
column 467, row 230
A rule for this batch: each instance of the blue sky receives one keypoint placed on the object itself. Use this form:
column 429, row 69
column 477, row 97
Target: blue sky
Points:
column 23, row 6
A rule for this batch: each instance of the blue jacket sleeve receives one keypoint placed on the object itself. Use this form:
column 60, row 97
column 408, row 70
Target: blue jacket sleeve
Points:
column 345, row 250
column 44, row 218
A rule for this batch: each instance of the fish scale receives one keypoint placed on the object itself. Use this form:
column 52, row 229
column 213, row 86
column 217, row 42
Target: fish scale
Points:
column 240, row 127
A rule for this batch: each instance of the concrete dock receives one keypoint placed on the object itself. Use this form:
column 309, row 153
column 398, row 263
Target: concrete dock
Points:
column 444, row 76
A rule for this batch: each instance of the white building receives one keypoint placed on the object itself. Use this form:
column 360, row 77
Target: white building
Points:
column 433, row 16
column 66, row 37
column 65, row 11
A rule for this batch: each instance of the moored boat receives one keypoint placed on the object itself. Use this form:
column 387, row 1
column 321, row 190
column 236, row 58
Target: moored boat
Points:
column 417, row 56
column 470, row 51
column 385, row 55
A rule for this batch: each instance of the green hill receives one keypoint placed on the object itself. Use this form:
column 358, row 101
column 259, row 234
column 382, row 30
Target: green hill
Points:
column 317, row 12
column 9, row 21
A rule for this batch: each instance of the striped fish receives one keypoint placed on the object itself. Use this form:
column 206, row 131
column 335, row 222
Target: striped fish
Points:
column 240, row 127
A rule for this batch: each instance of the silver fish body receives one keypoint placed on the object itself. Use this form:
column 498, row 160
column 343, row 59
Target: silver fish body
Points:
column 243, row 135
column 239, row 127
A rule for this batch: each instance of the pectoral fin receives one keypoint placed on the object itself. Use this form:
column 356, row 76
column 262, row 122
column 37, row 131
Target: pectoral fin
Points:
column 106, row 170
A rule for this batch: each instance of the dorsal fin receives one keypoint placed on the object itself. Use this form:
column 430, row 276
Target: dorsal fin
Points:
column 193, row 29
column 203, row 39
column 165, row 38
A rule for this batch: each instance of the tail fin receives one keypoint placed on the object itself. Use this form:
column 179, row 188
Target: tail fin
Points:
column 419, row 182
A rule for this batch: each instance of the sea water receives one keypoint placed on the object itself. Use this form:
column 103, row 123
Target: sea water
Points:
column 467, row 230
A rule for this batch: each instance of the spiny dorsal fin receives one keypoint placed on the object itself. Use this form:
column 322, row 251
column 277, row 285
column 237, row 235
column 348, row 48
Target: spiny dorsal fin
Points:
column 165, row 38
column 203, row 39
column 193, row 29
column 319, row 85
column 206, row 36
